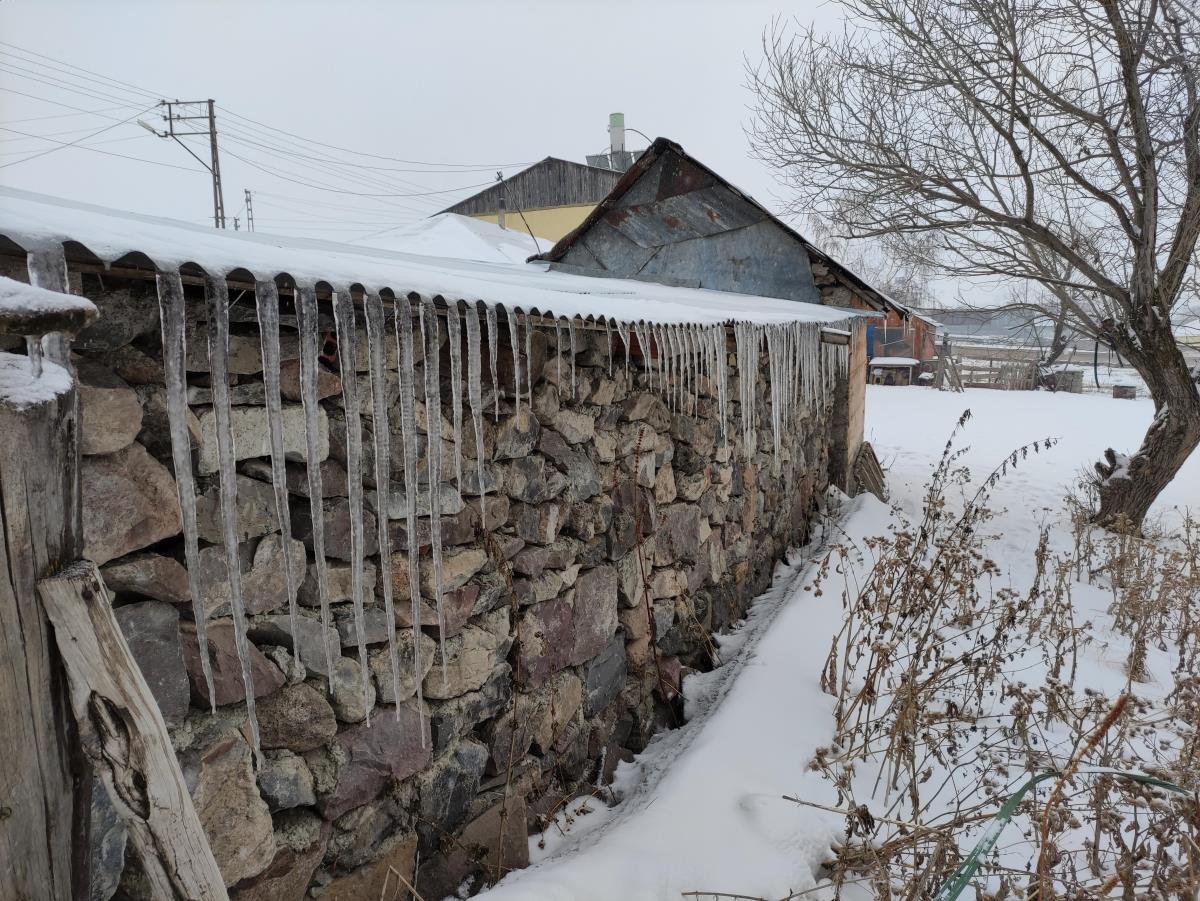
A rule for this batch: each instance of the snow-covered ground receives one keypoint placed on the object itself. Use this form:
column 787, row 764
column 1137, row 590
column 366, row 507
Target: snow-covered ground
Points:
column 702, row 807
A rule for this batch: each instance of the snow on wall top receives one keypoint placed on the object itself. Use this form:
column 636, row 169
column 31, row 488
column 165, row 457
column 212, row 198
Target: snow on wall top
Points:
column 33, row 311
column 38, row 221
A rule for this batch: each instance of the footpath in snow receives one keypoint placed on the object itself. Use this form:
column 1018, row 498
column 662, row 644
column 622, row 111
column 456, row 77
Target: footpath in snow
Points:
column 702, row 808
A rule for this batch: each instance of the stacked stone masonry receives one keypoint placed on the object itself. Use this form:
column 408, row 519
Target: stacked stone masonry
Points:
column 619, row 535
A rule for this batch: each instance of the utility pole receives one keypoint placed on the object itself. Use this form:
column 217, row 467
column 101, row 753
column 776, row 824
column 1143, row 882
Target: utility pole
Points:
column 179, row 111
column 500, row 209
column 250, row 210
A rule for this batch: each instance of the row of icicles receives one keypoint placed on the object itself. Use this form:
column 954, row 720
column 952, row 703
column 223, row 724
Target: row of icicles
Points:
column 802, row 374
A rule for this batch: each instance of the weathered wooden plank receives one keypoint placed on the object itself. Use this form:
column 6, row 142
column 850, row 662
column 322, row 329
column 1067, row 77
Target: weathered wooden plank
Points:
column 37, row 792
column 124, row 736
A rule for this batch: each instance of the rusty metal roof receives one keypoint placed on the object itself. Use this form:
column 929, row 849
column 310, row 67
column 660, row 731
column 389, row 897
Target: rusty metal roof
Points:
column 656, row 205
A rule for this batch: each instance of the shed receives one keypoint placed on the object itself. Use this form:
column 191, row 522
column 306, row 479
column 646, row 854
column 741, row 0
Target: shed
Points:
column 549, row 198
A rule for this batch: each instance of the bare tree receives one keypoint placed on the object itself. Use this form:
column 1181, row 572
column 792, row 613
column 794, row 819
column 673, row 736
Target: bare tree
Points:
column 1053, row 141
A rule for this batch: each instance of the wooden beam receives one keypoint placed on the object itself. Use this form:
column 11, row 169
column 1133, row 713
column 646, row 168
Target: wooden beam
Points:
column 124, row 736
column 38, row 781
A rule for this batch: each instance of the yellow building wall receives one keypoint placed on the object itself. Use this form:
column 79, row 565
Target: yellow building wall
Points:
column 551, row 223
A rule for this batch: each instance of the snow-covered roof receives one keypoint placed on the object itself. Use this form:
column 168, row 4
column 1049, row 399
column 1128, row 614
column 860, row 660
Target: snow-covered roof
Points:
column 37, row 221
column 894, row 361
column 456, row 237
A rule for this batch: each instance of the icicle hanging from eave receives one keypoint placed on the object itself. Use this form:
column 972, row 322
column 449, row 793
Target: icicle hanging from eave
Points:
column 266, row 296
column 308, row 323
column 558, row 356
column 345, row 326
column 408, row 424
column 574, row 340
column 493, row 337
column 216, row 297
column 174, row 339
column 48, row 269
column 433, row 457
column 475, row 396
column 381, row 429
column 529, row 359
column 454, row 338
column 514, row 340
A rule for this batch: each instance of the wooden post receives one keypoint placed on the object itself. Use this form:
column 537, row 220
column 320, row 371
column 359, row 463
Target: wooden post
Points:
column 125, row 738
column 38, row 784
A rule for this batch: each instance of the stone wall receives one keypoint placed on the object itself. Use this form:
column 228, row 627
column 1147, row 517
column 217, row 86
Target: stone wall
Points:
column 620, row 536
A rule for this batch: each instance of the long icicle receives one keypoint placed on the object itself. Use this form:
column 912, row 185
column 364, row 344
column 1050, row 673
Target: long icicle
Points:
column 308, row 321
column 514, row 339
column 608, row 335
column 171, row 313
column 529, row 359
column 574, row 341
column 408, row 426
column 558, row 355
column 343, row 318
column 216, row 296
column 454, row 334
column 475, row 395
column 377, row 363
column 433, row 457
column 493, row 337
column 266, row 296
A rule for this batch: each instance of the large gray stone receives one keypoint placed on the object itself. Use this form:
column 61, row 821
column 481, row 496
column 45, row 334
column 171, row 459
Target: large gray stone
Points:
column 285, row 781
column 376, row 627
column 457, row 717
column 339, row 583
column 151, row 575
column 245, row 351
column 333, row 477
column 109, row 410
column 530, row 481
column 517, row 435
column 255, row 511
column 595, row 612
column 545, row 641
column 605, row 676
column 308, row 644
column 125, row 314
column 581, row 474
column 251, row 436
column 329, row 384
column 107, row 836
column 129, row 502
column 679, row 534
column 381, row 668
column 446, row 790
column 352, row 691
column 573, row 426
column 264, row 586
column 151, row 629
column 470, row 657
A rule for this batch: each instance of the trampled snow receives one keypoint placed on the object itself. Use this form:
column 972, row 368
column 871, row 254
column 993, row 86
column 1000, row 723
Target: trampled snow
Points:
column 703, row 807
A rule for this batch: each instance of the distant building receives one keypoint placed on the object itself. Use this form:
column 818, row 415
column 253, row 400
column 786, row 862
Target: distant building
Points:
column 552, row 195
column 670, row 219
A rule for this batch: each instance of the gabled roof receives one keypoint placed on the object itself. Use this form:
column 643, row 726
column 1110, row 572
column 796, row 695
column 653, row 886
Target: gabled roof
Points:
column 695, row 175
column 547, row 183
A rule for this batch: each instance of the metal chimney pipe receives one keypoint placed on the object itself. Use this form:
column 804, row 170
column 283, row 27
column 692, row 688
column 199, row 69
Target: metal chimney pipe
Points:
column 616, row 133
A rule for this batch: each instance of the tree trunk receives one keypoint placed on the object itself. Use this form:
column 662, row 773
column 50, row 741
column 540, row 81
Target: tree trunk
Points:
column 1128, row 487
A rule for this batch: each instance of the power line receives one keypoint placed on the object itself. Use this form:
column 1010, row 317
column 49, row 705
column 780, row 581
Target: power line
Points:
column 78, row 109
column 60, row 84
column 81, row 146
column 352, row 193
column 75, row 145
column 88, row 72
column 375, row 156
column 62, row 145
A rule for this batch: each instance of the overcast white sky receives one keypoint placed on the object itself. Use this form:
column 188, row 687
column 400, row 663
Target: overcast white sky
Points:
column 466, row 82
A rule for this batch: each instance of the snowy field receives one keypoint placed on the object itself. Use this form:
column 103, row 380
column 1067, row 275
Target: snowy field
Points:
column 702, row 808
